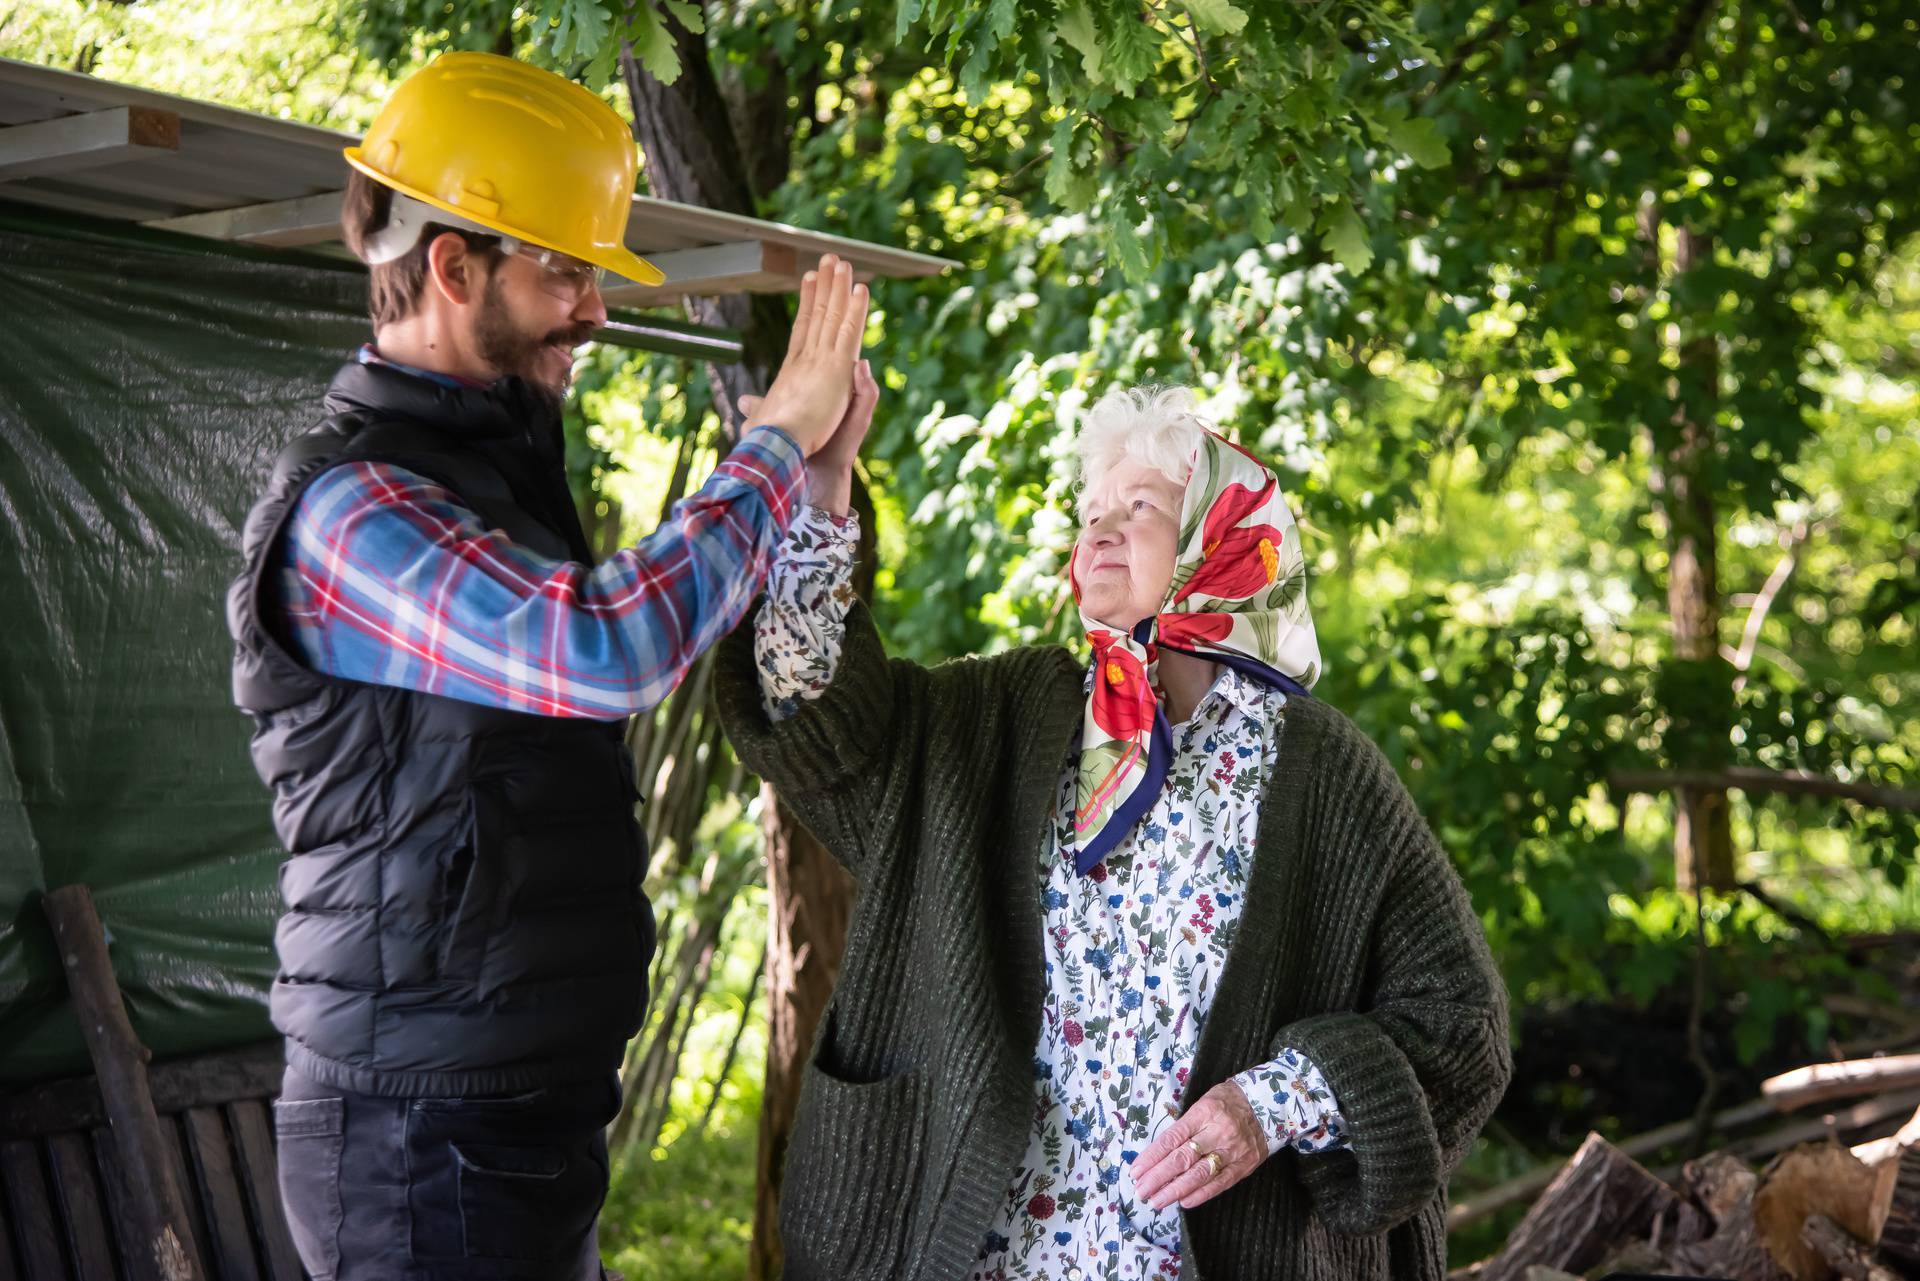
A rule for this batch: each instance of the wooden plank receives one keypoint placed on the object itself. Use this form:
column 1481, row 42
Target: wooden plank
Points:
column 30, row 1209
column 654, row 221
column 156, row 1207
column 84, row 141
column 260, row 1177
column 304, row 220
column 252, row 1072
column 82, row 1206
column 171, row 1133
column 743, row 266
column 229, row 1245
column 57, row 89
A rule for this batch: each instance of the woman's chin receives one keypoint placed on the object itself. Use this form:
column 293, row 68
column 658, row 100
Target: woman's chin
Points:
column 1120, row 618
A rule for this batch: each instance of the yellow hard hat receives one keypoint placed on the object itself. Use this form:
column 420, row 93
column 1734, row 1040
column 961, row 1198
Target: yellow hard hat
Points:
column 507, row 147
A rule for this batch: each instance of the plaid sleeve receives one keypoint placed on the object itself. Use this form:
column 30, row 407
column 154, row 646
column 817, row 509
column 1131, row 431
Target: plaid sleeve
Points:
column 389, row 579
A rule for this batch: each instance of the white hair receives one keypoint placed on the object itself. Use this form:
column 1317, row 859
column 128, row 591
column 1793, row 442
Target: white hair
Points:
column 1157, row 425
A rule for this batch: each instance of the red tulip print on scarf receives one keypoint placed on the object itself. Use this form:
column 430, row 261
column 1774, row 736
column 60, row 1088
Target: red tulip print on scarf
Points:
column 1238, row 595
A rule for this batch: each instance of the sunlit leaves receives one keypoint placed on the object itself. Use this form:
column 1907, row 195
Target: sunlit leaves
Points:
column 1217, row 17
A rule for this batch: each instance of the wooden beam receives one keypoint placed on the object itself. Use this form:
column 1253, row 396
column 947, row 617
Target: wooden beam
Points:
column 741, row 266
column 672, row 219
column 156, row 1203
column 304, row 220
column 252, row 1072
column 1749, row 779
column 86, row 141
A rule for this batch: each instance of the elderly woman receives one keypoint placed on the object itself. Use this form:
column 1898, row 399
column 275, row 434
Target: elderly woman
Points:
column 1154, row 970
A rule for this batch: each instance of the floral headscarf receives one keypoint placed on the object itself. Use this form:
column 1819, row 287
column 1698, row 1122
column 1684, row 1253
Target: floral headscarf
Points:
column 1238, row 597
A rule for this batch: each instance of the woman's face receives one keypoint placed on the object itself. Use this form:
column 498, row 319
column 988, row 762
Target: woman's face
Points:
column 1128, row 542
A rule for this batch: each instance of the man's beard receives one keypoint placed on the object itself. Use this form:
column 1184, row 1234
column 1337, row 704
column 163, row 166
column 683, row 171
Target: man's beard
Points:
column 513, row 351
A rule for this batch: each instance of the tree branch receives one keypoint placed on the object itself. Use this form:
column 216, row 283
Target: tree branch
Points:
column 1757, row 616
column 1750, row 779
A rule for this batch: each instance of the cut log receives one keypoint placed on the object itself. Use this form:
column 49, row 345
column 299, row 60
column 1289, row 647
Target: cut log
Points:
column 1815, row 1179
column 1601, row 1201
column 1721, row 1183
column 1734, row 1252
column 1894, row 1222
column 1876, row 1152
column 1819, row 1082
column 1724, row 1186
column 1527, row 1186
column 1843, row 1253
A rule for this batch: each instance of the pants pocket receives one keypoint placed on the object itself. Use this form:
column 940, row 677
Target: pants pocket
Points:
column 516, row 1179
column 526, row 1203
column 310, row 1135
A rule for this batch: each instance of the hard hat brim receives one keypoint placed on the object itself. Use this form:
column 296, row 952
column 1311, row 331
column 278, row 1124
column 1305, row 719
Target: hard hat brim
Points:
column 617, row 259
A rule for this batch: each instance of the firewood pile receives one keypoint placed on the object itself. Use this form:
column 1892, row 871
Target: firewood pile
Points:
column 1795, row 1204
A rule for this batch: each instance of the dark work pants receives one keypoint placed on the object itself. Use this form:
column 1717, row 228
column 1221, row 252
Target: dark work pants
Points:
column 501, row 1188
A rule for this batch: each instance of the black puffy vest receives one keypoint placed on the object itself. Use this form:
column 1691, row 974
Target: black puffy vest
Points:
column 464, row 911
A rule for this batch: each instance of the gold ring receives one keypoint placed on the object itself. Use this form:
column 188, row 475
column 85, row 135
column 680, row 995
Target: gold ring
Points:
column 1213, row 1165
column 1193, row 1146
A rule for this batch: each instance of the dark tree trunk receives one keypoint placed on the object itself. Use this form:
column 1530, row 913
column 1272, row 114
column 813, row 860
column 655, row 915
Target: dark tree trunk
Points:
column 691, row 153
column 1703, row 843
column 1696, row 684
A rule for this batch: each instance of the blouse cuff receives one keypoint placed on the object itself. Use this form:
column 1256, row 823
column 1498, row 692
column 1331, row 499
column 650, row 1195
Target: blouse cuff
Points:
column 801, row 626
column 1294, row 1105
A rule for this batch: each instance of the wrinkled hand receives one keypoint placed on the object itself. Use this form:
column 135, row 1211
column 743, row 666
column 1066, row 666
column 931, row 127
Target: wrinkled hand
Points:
column 810, row 395
column 844, row 445
column 1222, row 1122
column 830, row 470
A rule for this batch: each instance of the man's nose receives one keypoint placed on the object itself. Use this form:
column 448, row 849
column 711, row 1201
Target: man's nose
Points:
column 592, row 308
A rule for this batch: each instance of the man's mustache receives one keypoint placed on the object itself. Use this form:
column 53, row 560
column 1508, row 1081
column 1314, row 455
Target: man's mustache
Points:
column 572, row 335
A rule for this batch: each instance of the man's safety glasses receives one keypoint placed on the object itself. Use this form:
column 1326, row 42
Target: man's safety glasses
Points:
column 561, row 275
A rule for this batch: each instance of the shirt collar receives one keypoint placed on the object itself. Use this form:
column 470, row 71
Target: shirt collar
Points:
column 370, row 355
column 1236, row 689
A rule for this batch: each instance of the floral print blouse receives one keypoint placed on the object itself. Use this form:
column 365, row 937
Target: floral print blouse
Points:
column 1134, row 951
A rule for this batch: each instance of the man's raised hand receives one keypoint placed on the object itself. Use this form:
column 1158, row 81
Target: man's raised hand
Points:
column 810, row 395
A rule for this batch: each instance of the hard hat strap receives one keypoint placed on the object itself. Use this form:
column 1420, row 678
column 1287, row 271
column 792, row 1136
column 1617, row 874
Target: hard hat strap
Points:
column 406, row 219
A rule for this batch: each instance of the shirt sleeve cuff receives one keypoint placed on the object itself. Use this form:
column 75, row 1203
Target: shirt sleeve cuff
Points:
column 827, row 529
column 772, row 460
column 1294, row 1105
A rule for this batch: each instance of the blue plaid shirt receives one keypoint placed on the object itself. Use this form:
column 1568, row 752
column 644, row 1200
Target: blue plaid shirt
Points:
column 387, row 578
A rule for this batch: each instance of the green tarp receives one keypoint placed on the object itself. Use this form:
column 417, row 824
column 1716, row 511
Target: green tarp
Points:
column 146, row 381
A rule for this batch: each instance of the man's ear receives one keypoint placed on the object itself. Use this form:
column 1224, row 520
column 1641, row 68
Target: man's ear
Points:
column 452, row 269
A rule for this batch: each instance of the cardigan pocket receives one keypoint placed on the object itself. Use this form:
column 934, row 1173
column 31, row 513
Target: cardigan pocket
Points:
column 852, row 1185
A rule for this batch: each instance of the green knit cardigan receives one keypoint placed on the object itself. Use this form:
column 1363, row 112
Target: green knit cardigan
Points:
column 1357, row 946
